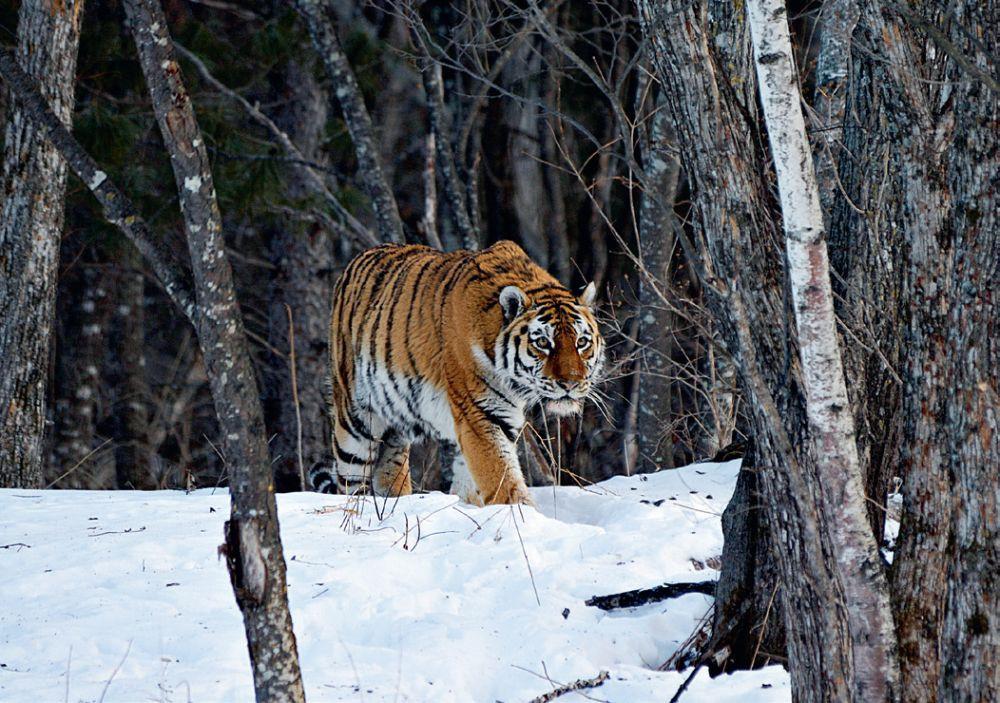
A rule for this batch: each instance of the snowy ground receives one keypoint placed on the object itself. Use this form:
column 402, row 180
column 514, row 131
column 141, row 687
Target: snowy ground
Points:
column 119, row 596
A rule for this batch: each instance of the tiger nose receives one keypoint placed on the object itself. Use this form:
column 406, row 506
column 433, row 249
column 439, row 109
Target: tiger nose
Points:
column 569, row 385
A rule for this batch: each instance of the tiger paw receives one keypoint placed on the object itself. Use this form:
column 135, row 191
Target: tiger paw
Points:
column 511, row 494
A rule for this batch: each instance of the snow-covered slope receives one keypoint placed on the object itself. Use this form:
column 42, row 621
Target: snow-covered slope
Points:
column 435, row 601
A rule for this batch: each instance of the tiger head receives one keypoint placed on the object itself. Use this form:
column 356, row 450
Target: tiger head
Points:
column 551, row 350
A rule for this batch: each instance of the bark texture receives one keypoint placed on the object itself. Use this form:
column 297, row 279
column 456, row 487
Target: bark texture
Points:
column 32, row 188
column 253, row 546
column 702, row 57
column 831, row 422
column 78, row 399
column 134, row 462
column 656, row 320
column 924, row 72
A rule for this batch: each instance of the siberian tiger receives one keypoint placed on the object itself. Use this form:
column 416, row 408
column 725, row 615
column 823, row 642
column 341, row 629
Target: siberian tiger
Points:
column 455, row 346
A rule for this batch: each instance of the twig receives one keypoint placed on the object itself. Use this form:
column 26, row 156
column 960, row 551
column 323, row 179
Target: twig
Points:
column 295, row 398
column 119, row 532
column 78, row 464
column 574, row 686
column 525, row 553
column 763, row 625
column 687, row 682
column 642, row 596
column 22, row 545
column 314, row 178
column 107, row 684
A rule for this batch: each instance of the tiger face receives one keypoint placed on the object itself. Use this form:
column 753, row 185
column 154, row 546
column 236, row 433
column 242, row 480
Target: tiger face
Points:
column 552, row 350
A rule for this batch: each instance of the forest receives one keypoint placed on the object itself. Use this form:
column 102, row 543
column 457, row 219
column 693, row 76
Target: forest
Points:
column 788, row 211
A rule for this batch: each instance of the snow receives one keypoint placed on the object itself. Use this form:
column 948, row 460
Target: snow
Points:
column 435, row 601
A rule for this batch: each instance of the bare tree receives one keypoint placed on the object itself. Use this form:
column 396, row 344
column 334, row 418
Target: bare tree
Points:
column 33, row 183
column 253, row 545
column 78, row 394
column 133, row 456
column 304, row 262
column 656, row 319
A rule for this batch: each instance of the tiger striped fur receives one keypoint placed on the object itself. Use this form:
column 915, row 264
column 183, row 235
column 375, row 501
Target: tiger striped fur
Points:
column 454, row 346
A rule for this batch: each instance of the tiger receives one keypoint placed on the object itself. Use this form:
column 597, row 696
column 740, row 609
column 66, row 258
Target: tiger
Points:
column 452, row 346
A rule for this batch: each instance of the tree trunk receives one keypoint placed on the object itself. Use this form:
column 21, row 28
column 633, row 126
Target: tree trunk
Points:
column 924, row 73
column 304, row 261
column 858, row 203
column 86, row 316
column 656, row 319
column 33, row 184
column 133, row 455
column 253, row 546
column 702, row 55
column 749, row 622
column 831, row 423
column 528, row 196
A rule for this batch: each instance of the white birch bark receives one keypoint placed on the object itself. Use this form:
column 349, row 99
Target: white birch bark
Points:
column 831, row 423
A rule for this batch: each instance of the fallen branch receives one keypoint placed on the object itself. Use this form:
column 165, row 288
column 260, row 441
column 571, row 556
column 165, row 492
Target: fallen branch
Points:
column 577, row 685
column 642, row 596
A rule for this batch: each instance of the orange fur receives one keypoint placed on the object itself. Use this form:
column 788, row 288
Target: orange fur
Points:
column 418, row 335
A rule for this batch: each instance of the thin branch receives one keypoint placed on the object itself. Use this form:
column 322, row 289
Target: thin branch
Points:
column 312, row 175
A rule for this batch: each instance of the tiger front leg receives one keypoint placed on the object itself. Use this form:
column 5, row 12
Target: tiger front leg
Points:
column 391, row 474
column 492, row 463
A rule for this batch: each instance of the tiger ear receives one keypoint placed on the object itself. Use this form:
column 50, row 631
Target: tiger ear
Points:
column 589, row 295
column 512, row 302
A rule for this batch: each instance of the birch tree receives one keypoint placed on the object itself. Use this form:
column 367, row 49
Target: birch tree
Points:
column 831, row 423
column 32, row 184
column 703, row 59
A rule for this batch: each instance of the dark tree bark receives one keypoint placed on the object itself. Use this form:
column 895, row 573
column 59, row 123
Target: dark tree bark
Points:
column 86, row 316
column 529, row 203
column 253, row 545
column 702, row 55
column 32, row 183
column 749, row 623
column 303, row 257
column 923, row 76
column 454, row 189
column 656, row 319
column 134, row 467
column 867, row 283
column 320, row 20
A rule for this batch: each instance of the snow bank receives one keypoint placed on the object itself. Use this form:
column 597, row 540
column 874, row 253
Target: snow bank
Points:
column 435, row 601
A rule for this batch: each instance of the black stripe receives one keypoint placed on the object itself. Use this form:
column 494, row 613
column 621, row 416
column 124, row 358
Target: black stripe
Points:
column 509, row 432
column 409, row 313
column 346, row 456
column 355, row 426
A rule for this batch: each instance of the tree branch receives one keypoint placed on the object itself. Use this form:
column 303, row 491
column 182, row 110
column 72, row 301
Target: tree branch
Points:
column 319, row 19
column 311, row 175
column 253, row 545
column 642, row 596
column 118, row 208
